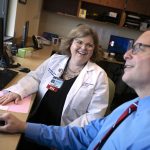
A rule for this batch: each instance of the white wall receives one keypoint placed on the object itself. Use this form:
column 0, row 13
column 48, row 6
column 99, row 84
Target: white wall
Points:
column 11, row 17
column 60, row 24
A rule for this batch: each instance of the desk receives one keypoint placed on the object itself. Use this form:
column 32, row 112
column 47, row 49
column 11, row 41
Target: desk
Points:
column 111, row 60
column 8, row 141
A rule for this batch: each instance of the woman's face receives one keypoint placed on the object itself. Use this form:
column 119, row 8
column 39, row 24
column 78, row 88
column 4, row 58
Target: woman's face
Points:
column 82, row 49
column 137, row 66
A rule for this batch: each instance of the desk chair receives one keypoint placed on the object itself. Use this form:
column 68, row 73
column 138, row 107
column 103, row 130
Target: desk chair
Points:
column 111, row 94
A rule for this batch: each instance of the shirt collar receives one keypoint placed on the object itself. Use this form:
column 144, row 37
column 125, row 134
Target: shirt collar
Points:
column 144, row 103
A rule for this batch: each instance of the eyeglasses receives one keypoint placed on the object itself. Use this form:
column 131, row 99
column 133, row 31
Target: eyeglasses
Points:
column 138, row 47
column 80, row 43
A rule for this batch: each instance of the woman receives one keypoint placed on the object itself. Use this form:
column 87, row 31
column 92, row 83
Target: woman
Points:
column 71, row 88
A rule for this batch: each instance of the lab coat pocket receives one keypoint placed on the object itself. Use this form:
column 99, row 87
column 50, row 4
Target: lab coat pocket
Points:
column 83, row 98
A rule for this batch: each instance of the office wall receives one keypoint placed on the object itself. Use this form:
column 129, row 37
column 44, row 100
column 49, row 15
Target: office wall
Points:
column 31, row 12
column 11, row 17
column 60, row 24
column 20, row 13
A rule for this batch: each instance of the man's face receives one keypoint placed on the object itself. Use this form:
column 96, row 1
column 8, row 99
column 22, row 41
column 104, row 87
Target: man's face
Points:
column 137, row 66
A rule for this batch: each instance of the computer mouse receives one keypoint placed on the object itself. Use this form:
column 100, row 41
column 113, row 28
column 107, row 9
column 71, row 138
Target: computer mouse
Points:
column 26, row 70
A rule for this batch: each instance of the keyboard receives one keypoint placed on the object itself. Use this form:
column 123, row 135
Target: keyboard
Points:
column 6, row 75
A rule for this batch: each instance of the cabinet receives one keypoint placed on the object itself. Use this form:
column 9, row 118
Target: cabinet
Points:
column 64, row 6
column 132, row 14
column 136, row 21
column 140, row 7
column 101, row 12
column 119, row 4
column 127, row 13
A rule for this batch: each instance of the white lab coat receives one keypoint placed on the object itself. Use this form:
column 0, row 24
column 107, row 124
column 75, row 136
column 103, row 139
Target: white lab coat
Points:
column 87, row 98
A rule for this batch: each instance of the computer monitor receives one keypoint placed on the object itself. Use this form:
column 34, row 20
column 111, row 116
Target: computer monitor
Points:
column 119, row 45
column 4, row 59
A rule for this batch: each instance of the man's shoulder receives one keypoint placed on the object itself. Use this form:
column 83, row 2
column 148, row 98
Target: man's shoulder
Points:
column 125, row 105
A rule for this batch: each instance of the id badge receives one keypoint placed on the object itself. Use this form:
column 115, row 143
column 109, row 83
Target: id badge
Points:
column 55, row 84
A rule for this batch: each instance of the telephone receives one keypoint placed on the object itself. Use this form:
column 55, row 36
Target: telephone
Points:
column 39, row 41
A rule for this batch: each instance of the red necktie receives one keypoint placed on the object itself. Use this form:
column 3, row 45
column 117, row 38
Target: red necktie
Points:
column 126, row 113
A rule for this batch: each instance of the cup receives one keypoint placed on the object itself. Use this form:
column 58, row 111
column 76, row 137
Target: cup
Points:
column 55, row 41
column 112, row 55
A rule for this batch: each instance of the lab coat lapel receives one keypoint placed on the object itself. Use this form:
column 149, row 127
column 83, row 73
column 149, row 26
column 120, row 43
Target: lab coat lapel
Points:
column 60, row 68
column 83, row 76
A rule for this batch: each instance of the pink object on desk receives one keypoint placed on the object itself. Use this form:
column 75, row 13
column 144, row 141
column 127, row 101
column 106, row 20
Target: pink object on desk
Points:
column 22, row 107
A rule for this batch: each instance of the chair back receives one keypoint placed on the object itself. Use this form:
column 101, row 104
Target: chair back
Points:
column 111, row 94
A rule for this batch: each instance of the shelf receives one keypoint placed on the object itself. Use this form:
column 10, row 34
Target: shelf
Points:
column 136, row 21
column 104, row 13
column 101, row 13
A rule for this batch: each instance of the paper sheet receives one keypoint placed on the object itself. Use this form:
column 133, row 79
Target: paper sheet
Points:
column 22, row 107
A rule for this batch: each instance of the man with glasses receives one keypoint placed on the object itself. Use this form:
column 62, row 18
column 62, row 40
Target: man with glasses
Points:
column 139, row 47
column 127, row 127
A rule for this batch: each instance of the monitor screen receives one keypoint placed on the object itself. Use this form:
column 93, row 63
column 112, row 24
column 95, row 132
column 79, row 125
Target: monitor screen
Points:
column 119, row 45
column 4, row 57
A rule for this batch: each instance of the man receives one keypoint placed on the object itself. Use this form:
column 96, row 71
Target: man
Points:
column 109, row 133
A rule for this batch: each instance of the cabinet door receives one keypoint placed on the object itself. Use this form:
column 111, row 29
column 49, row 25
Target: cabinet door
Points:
column 140, row 7
column 92, row 1
column 120, row 4
column 64, row 6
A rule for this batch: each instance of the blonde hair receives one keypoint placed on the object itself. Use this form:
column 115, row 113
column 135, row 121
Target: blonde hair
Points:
column 79, row 32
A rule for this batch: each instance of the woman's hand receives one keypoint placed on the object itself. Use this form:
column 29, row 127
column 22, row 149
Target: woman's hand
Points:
column 12, row 124
column 8, row 97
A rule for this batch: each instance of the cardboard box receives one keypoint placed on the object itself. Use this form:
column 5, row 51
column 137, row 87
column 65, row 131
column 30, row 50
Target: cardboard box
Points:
column 25, row 52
